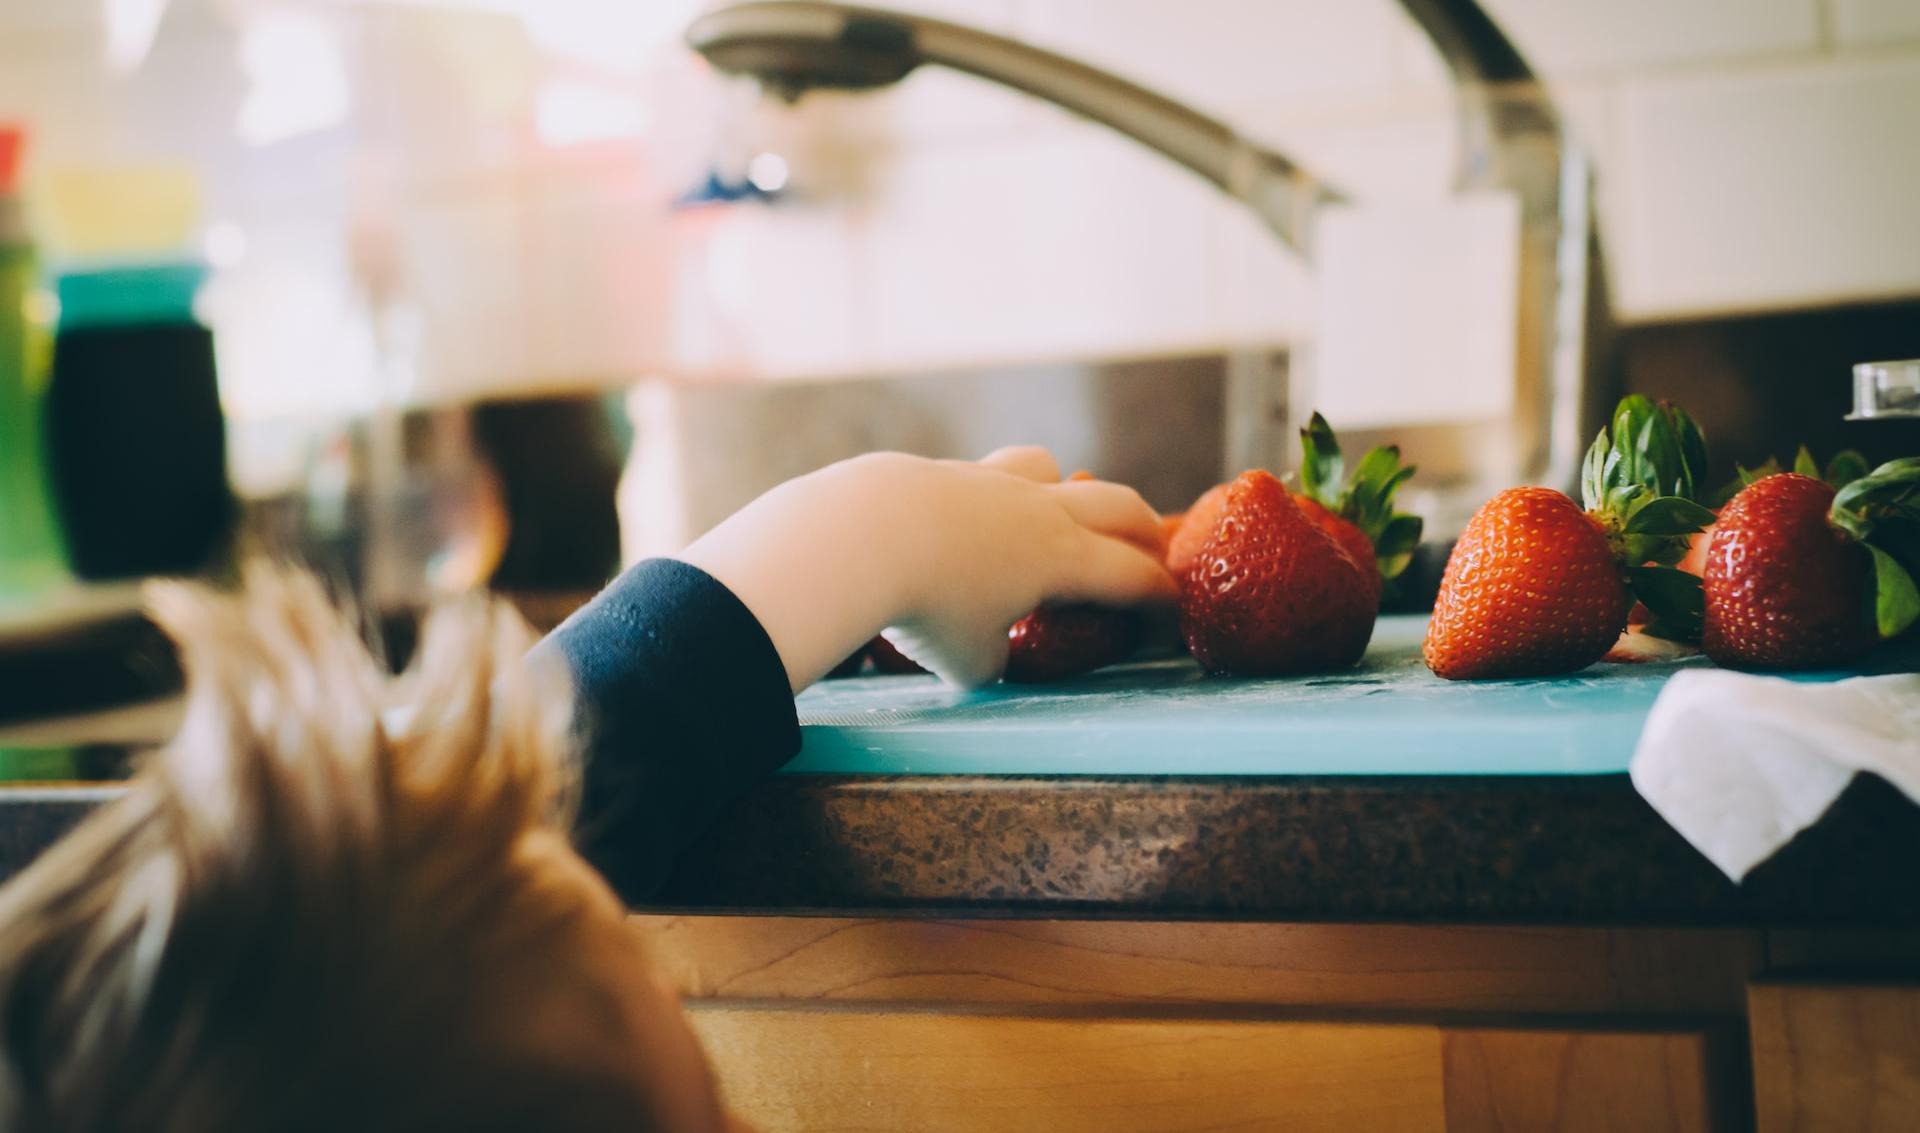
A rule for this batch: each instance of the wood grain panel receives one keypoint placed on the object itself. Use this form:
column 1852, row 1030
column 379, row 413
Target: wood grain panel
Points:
column 1399, row 968
column 794, row 1069
column 1830, row 1056
column 1529, row 1081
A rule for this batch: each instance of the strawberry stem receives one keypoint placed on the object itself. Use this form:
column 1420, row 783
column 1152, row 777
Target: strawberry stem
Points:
column 1364, row 499
column 1641, row 480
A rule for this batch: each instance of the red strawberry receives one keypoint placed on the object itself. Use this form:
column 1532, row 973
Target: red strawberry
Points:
column 1272, row 593
column 1170, row 527
column 1196, row 527
column 1532, row 588
column 1352, row 540
column 1356, row 510
column 1057, row 642
column 1788, row 588
column 1536, row 586
column 1695, row 560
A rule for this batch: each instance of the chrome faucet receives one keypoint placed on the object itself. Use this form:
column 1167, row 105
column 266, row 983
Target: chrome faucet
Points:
column 1511, row 139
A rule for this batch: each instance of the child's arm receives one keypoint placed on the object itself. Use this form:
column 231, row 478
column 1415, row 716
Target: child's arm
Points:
column 684, row 669
column 950, row 553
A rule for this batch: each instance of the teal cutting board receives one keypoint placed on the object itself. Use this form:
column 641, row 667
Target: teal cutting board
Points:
column 1389, row 716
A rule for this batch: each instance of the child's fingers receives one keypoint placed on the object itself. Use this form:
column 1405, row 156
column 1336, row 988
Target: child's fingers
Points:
column 1114, row 573
column 1113, row 509
column 1029, row 462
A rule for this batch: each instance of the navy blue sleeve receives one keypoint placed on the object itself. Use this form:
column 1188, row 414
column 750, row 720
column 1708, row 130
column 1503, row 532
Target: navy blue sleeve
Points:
column 683, row 704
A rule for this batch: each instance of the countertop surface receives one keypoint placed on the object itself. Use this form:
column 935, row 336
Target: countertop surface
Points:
column 1150, row 791
column 1386, row 716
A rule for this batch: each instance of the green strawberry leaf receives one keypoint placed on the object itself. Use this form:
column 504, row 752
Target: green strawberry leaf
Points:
column 1852, row 522
column 1322, row 468
column 1845, row 468
column 1896, row 601
column 1673, row 597
column 1630, row 420
column 1693, row 450
column 1804, row 464
column 1364, row 498
column 1903, row 471
column 1660, row 458
column 1668, row 515
column 1394, row 549
column 1891, row 488
column 1649, row 450
column 1378, row 466
column 1593, row 485
column 1882, row 510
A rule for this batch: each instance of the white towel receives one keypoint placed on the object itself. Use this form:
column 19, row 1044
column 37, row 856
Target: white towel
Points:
column 1739, row 764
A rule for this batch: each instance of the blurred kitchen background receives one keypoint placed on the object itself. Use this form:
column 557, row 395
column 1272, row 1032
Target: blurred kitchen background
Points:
column 504, row 292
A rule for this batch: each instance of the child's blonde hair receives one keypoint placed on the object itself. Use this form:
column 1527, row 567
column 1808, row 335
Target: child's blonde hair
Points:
column 324, row 905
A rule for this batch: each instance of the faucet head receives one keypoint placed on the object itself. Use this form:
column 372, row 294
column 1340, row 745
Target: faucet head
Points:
column 794, row 46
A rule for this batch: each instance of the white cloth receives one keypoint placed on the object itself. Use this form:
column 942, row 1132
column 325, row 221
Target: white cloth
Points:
column 1739, row 764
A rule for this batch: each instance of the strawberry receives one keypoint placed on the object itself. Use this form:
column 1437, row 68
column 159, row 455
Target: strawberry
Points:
column 1352, row 540
column 1357, row 510
column 1532, row 588
column 1801, row 576
column 1271, row 592
column 1845, row 467
column 1537, row 586
column 1694, row 562
column 1196, row 527
column 1056, row 642
column 1170, row 527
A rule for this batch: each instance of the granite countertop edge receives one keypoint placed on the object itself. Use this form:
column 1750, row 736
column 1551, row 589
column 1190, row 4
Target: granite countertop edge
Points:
column 1454, row 849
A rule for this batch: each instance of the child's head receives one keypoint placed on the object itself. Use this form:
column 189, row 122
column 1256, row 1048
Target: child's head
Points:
column 338, row 901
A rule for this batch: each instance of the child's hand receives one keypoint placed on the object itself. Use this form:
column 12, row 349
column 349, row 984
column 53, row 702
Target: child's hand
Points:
column 948, row 553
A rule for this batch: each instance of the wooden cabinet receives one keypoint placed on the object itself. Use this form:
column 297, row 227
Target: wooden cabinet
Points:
column 807, row 1068
column 1517, row 1079
column 1839, row 1056
column 842, row 1024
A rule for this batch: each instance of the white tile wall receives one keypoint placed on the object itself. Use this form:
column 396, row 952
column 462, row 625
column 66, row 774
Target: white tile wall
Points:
column 1052, row 247
column 1789, row 185
column 1218, row 53
column 1569, row 37
column 1863, row 22
column 1752, row 154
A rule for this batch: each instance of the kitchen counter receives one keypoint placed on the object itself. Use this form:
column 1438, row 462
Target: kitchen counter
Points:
column 1495, row 803
column 1459, row 849
column 1583, row 850
column 1479, row 925
column 1381, row 793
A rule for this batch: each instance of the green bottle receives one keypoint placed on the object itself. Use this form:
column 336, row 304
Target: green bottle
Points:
column 32, row 557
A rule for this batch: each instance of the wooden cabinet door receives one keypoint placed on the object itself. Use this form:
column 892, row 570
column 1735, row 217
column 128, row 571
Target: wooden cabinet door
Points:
column 1841, row 1056
column 793, row 1068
